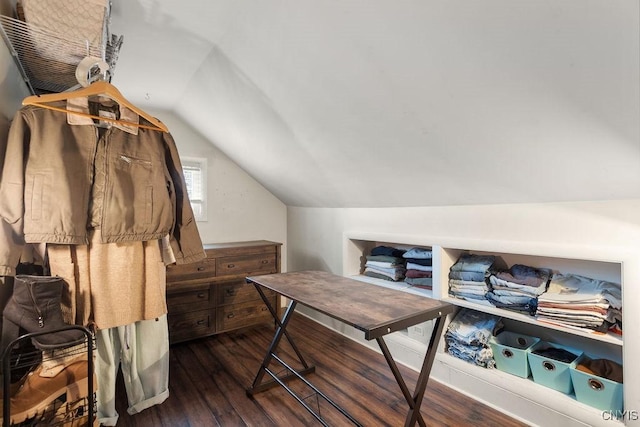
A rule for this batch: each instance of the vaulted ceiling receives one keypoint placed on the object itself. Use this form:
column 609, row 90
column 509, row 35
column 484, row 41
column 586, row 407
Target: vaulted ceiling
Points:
column 358, row 103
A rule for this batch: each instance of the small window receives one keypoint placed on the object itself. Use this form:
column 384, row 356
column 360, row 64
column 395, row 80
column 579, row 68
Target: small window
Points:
column 195, row 176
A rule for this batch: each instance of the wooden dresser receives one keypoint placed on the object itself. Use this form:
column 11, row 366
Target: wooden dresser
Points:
column 211, row 296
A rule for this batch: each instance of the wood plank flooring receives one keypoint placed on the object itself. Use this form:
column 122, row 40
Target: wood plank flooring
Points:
column 209, row 377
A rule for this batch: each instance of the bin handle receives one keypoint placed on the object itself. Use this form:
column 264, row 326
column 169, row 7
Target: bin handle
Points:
column 595, row 384
column 549, row 366
column 507, row 353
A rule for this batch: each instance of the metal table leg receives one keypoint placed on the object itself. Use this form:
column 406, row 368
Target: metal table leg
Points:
column 415, row 400
column 258, row 384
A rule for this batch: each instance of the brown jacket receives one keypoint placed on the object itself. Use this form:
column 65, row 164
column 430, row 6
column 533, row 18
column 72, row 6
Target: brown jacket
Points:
column 47, row 179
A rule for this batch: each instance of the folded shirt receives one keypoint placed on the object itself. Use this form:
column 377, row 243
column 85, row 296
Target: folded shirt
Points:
column 468, row 291
column 573, row 314
column 417, row 273
column 385, row 258
column 468, row 275
column 525, row 275
column 388, row 251
column 455, row 282
column 383, row 264
column 476, row 263
column 418, row 253
column 507, row 299
column 513, row 292
column 419, row 261
column 394, row 274
column 413, row 266
column 580, row 289
column 419, row 281
column 596, row 308
column 504, row 284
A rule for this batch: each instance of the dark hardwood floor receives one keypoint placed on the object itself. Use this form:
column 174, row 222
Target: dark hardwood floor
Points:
column 209, row 377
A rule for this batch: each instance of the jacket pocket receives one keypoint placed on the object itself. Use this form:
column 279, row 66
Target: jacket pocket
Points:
column 35, row 196
column 133, row 191
column 135, row 161
column 148, row 205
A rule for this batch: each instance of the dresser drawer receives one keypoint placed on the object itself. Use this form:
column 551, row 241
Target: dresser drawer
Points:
column 184, row 326
column 239, row 292
column 189, row 300
column 196, row 270
column 246, row 265
column 240, row 315
column 211, row 296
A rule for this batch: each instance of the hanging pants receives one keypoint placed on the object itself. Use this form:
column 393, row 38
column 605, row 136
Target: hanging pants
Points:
column 141, row 349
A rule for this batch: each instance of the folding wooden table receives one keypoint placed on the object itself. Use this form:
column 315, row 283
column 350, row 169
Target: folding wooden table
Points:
column 375, row 310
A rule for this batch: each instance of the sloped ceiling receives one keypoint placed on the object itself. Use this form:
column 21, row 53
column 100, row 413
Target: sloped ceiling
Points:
column 375, row 103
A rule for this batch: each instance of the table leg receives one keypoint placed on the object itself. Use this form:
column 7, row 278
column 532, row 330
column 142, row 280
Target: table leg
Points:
column 276, row 318
column 258, row 385
column 415, row 400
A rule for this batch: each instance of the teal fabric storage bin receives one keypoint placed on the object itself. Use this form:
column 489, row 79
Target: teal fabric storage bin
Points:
column 599, row 392
column 550, row 372
column 510, row 351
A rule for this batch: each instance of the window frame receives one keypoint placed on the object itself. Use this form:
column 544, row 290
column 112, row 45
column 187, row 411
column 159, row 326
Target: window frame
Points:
column 198, row 205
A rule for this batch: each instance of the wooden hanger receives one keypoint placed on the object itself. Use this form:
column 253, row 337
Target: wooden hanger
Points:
column 99, row 88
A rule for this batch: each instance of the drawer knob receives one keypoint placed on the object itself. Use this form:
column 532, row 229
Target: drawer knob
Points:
column 200, row 322
column 200, row 268
column 265, row 261
column 264, row 309
column 230, row 316
column 201, row 295
column 231, row 265
column 231, row 291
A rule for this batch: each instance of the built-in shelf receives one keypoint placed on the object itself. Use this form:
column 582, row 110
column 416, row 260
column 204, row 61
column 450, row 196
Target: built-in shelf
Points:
column 521, row 397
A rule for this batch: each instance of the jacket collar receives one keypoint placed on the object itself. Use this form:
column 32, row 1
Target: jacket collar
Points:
column 81, row 105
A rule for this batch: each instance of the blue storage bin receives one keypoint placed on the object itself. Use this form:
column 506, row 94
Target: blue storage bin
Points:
column 601, row 393
column 549, row 372
column 510, row 352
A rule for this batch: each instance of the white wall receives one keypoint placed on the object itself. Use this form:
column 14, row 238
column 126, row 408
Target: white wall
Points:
column 239, row 208
column 315, row 235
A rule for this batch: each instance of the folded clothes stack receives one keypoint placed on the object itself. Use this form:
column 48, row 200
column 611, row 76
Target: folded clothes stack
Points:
column 386, row 263
column 467, row 277
column 468, row 334
column 419, row 267
column 580, row 301
column 518, row 288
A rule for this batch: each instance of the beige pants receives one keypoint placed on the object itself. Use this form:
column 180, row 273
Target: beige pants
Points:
column 141, row 350
column 110, row 284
